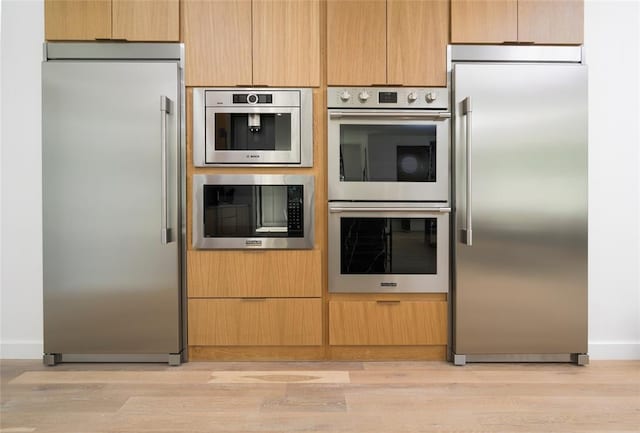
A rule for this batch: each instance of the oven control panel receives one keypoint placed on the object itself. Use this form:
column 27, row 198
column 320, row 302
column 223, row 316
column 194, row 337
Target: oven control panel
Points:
column 295, row 214
column 431, row 98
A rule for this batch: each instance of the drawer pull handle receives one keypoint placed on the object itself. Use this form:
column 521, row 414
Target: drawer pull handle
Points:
column 388, row 302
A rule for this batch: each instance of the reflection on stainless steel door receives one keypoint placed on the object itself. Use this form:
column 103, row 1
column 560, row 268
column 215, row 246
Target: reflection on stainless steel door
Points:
column 520, row 286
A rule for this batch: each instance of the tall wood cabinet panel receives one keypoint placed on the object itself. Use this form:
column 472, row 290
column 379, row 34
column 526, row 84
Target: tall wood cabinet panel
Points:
column 551, row 22
column 136, row 20
column 286, row 43
column 217, row 40
column 68, row 20
column 484, row 21
column 356, row 42
column 417, row 37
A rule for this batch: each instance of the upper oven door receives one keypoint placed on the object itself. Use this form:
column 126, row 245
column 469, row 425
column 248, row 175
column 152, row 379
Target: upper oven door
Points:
column 388, row 247
column 398, row 155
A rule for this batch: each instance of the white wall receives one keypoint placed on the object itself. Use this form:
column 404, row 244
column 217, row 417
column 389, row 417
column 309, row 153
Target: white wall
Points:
column 21, row 34
column 613, row 52
column 612, row 42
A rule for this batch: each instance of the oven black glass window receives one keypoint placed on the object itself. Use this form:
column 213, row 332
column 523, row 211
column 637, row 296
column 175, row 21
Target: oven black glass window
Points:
column 253, row 131
column 388, row 153
column 253, row 211
column 388, row 245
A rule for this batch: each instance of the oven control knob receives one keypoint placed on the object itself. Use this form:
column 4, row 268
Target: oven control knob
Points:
column 345, row 96
column 412, row 97
column 364, row 95
column 430, row 96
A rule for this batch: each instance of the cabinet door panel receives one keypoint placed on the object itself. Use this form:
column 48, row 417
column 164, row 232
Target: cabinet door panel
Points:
column 286, row 43
column 417, row 37
column 386, row 322
column 77, row 20
column 255, row 322
column 484, row 21
column 217, row 40
column 136, row 20
column 356, row 42
column 277, row 273
column 551, row 22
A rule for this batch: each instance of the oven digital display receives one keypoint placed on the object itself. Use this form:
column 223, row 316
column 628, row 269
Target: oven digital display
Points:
column 387, row 97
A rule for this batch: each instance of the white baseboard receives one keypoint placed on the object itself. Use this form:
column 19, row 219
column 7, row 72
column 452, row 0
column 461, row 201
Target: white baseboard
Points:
column 623, row 350
column 21, row 349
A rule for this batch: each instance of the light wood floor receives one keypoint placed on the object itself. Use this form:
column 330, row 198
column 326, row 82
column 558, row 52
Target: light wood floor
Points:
column 358, row 397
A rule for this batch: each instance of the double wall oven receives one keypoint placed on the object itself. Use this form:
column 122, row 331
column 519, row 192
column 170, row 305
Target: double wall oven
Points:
column 389, row 188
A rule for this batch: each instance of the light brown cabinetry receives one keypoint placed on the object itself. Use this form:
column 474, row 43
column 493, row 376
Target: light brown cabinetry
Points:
column 252, row 42
column 551, row 22
column 396, row 42
column 255, row 322
column 517, row 21
column 277, row 273
column 387, row 322
column 131, row 20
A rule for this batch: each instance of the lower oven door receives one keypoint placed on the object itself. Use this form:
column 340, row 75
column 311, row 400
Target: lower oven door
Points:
column 388, row 247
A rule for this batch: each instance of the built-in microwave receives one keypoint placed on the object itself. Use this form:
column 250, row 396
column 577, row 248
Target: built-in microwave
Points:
column 253, row 211
column 252, row 127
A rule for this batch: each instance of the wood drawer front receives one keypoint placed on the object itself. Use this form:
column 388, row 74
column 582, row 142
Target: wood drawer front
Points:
column 283, row 273
column 255, row 322
column 387, row 323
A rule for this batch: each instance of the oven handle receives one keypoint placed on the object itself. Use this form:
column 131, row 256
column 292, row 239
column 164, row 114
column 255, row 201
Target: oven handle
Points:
column 336, row 209
column 165, row 110
column 395, row 115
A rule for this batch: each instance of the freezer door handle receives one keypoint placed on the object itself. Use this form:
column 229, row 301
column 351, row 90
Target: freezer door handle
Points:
column 165, row 110
column 467, row 237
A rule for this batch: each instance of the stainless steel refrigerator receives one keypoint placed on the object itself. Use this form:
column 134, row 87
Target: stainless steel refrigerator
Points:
column 113, row 223
column 520, row 180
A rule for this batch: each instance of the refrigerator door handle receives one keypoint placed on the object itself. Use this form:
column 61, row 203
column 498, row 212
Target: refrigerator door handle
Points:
column 165, row 110
column 467, row 237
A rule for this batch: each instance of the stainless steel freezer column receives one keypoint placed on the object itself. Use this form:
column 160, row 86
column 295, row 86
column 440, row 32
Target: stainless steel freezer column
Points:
column 111, row 285
column 520, row 287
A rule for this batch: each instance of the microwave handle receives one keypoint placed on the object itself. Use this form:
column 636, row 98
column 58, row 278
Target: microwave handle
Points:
column 397, row 115
column 467, row 232
column 336, row 209
column 165, row 231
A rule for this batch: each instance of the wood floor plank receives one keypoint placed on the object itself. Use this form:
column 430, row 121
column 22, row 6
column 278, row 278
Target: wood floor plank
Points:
column 370, row 397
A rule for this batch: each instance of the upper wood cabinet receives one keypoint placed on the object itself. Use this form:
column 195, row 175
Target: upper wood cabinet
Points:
column 484, row 21
column 132, row 20
column 517, row 21
column 417, row 37
column 356, row 42
column 217, row 42
column 551, row 22
column 76, row 20
column 252, row 42
column 144, row 20
column 378, row 42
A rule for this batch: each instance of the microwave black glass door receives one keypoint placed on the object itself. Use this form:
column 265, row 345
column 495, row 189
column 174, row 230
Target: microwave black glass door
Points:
column 253, row 211
column 253, row 131
column 388, row 153
column 388, row 245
